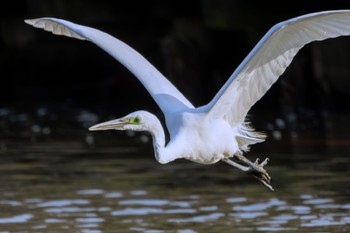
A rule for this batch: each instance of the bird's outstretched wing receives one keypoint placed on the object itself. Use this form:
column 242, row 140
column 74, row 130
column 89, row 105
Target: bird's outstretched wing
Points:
column 167, row 97
column 269, row 59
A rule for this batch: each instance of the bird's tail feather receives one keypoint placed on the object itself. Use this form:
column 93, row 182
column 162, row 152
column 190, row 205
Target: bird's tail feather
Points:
column 248, row 136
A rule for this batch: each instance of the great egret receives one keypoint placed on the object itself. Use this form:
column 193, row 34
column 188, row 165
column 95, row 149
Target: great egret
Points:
column 217, row 131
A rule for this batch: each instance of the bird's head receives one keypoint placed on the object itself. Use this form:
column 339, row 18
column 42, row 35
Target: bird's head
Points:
column 136, row 121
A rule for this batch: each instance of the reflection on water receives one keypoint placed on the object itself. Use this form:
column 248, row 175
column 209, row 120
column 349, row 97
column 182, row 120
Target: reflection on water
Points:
column 79, row 189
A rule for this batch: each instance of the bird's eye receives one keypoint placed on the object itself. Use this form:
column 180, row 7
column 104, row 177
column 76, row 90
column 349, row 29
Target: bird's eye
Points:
column 137, row 120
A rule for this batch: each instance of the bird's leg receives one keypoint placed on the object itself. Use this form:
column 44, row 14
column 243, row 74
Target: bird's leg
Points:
column 249, row 170
column 256, row 169
column 236, row 165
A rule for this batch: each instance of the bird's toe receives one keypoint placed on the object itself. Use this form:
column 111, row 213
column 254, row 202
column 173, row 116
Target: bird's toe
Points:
column 260, row 173
column 263, row 163
column 257, row 161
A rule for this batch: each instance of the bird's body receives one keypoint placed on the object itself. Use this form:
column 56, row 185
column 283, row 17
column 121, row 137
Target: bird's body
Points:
column 217, row 131
column 199, row 140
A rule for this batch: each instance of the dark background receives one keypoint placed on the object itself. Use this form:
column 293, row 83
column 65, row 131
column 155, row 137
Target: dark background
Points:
column 195, row 44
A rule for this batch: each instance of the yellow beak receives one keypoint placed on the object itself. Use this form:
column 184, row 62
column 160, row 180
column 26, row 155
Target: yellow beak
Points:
column 113, row 124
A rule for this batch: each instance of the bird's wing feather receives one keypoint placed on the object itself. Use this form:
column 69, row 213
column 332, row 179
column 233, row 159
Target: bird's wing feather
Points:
column 167, row 97
column 269, row 59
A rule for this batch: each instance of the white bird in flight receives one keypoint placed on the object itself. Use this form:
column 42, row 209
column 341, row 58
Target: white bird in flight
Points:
column 217, row 131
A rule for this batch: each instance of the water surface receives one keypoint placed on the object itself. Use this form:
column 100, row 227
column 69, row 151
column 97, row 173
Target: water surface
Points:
column 69, row 186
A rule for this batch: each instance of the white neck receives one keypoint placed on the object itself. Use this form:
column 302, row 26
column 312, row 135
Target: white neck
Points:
column 161, row 153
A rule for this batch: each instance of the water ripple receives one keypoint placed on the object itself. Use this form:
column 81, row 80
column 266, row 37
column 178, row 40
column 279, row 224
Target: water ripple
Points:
column 89, row 220
column 145, row 202
column 145, row 211
column 60, row 203
column 248, row 215
column 16, row 219
column 10, row 202
column 114, row 195
column 90, row 192
column 236, row 199
column 72, row 209
column 201, row 218
column 317, row 201
column 137, row 211
column 259, row 206
column 54, row 220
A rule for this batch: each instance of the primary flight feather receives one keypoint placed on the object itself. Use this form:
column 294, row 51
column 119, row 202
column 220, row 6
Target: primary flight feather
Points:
column 216, row 131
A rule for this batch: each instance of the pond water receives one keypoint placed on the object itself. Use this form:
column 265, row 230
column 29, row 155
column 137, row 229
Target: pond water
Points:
column 67, row 185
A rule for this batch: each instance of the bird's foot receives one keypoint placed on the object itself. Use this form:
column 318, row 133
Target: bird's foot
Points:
column 257, row 170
